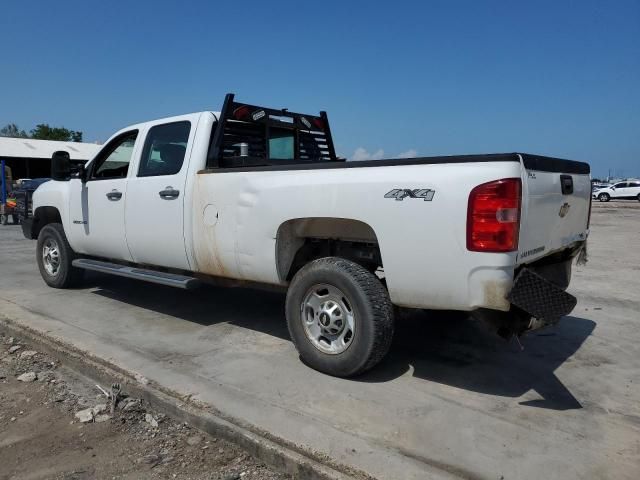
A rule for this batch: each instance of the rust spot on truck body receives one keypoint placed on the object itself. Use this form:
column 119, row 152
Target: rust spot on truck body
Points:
column 205, row 246
column 495, row 295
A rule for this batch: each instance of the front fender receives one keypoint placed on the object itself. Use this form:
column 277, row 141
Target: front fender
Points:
column 50, row 202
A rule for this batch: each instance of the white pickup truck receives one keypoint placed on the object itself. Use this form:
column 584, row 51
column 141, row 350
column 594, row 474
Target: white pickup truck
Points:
column 258, row 196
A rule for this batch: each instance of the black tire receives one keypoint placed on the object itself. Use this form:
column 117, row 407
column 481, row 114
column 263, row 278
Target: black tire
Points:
column 372, row 315
column 4, row 219
column 66, row 275
column 639, row 197
column 604, row 197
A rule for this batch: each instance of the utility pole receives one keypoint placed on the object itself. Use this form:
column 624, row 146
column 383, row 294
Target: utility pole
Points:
column 3, row 183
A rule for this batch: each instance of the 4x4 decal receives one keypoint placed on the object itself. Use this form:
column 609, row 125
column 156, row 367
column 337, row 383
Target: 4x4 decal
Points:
column 401, row 193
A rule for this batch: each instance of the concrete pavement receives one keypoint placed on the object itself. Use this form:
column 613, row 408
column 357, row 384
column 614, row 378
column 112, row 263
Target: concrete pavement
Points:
column 450, row 401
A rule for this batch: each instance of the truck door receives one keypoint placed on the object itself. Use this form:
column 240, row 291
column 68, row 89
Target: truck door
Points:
column 154, row 219
column 97, row 205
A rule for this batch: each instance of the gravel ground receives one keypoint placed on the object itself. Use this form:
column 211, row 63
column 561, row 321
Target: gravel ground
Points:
column 42, row 437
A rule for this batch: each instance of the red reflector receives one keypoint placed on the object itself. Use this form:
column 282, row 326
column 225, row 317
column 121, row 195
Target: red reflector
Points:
column 493, row 216
column 241, row 113
column 318, row 123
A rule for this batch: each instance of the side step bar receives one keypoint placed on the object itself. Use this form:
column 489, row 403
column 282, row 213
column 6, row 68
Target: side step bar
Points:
column 169, row 279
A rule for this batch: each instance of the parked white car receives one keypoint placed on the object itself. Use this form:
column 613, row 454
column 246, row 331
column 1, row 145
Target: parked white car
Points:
column 629, row 190
column 257, row 196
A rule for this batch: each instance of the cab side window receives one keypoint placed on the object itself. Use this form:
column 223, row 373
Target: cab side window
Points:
column 164, row 149
column 621, row 185
column 114, row 161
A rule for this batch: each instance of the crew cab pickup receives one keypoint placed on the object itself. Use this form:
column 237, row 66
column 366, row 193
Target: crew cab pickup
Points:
column 256, row 195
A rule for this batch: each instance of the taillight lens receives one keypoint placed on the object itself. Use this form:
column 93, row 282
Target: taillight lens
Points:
column 241, row 113
column 493, row 216
column 319, row 123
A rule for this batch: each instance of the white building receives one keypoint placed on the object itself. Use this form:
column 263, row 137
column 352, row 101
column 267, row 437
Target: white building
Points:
column 28, row 158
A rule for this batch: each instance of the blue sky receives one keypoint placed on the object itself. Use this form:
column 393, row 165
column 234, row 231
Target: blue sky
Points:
column 559, row 78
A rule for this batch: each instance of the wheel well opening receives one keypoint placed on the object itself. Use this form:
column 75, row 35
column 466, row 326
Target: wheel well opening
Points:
column 44, row 216
column 302, row 240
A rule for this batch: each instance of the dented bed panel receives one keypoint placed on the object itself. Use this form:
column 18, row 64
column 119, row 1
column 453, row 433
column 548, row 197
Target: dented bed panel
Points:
column 421, row 237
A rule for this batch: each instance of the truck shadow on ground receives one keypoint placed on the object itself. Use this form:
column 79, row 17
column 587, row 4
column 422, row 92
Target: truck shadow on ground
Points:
column 458, row 351
column 446, row 348
column 257, row 310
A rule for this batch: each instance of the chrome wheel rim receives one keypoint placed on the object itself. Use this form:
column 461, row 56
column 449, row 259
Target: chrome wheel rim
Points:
column 328, row 319
column 51, row 256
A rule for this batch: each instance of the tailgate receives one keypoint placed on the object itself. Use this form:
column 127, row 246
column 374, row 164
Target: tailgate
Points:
column 556, row 198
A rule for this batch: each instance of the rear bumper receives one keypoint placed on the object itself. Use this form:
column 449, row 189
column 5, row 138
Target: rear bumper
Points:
column 536, row 298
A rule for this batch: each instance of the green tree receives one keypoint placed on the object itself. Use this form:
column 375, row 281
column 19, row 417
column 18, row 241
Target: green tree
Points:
column 44, row 132
column 12, row 130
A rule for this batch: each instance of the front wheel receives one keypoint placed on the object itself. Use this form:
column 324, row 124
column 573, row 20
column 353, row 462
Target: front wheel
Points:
column 639, row 197
column 340, row 317
column 604, row 197
column 54, row 256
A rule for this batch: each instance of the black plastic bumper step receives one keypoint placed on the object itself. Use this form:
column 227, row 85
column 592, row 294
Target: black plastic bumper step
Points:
column 540, row 297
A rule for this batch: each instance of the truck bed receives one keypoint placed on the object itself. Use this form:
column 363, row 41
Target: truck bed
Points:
column 530, row 161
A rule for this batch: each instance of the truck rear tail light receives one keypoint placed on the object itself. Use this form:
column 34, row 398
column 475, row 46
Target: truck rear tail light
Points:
column 493, row 216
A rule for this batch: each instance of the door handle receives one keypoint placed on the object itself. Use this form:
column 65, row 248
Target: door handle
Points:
column 114, row 195
column 169, row 193
column 566, row 184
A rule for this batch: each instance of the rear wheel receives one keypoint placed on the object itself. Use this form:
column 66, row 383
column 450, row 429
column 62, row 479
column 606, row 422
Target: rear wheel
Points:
column 638, row 197
column 340, row 317
column 4, row 219
column 54, row 256
column 604, row 197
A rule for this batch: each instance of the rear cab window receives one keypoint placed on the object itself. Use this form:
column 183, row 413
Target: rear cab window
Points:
column 281, row 146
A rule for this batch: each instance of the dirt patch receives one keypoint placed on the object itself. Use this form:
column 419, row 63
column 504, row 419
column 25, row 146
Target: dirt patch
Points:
column 55, row 424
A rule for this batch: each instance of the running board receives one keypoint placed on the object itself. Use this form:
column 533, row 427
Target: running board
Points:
column 169, row 279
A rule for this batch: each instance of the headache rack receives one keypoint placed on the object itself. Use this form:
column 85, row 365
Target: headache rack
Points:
column 249, row 135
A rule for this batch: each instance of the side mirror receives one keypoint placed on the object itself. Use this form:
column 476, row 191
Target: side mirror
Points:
column 612, row 187
column 60, row 166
